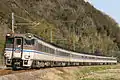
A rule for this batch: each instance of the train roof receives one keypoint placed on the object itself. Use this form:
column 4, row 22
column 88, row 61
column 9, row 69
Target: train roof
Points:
column 76, row 52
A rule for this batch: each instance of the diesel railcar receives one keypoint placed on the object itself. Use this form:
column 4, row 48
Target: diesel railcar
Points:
column 30, row 51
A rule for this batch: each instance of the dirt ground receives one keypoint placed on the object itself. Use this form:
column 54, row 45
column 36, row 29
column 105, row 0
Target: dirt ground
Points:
column 42, row 74
column 67, row 73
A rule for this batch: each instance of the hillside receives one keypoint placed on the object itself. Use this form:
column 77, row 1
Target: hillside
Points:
column 75, row 25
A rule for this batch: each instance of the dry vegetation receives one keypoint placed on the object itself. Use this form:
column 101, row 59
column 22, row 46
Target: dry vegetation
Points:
column 99, row 73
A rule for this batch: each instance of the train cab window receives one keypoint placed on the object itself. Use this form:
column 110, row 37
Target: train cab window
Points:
column 9, row 40
column 18, row 41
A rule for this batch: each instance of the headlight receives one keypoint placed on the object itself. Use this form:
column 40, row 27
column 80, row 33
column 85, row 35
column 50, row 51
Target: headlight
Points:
column 8, row 34
column 7, row 55
column 26, row 56
column 19, row 46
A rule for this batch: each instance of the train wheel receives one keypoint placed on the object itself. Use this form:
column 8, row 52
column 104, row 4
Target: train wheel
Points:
column 51, row 64
column 47, row 64
column 42, row 64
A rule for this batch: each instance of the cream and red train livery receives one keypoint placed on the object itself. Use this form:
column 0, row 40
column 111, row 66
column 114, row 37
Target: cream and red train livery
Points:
column 30, row 51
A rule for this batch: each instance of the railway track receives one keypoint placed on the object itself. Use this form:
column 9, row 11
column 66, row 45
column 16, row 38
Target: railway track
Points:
column 10, row 71
column 7, row 71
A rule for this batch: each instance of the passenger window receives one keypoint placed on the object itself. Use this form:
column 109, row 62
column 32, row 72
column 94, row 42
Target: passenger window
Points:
column 29, row 42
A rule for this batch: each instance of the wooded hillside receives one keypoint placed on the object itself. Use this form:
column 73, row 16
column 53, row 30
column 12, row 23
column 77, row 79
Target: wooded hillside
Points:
column 75, row 25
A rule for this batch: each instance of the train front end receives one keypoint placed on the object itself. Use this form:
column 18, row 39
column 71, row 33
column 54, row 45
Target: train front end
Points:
column 13, row 51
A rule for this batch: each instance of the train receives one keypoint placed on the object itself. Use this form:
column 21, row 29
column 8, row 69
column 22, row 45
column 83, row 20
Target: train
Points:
column 30, row 51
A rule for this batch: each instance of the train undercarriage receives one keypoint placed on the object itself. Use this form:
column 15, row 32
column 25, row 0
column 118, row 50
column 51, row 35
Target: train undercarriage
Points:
column 17, row 63
column 41, row 64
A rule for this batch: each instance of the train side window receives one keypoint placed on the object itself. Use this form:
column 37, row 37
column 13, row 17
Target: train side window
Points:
column 43, row 48
column 39, row 47
column 62, row 53
column 29, row 42
column 51, row 50
column 82, row 57
column 33, row 41
column 86, row 57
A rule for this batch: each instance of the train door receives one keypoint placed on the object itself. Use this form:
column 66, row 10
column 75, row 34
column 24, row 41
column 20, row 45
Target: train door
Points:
column 18, row 47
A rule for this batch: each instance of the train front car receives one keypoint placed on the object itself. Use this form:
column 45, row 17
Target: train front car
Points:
column 17, row 53
column 8, row 49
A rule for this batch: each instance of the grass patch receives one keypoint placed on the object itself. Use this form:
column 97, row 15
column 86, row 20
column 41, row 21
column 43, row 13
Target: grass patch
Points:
column 89, row 79
column 81, row 74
